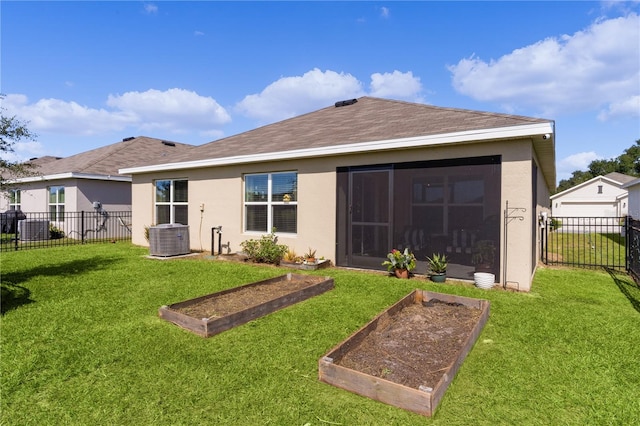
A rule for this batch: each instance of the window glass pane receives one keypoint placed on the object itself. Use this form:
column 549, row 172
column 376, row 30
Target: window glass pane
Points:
column 60, row 212
column 53, row 195
column 163, row 214
column 61, row 194
column 52, row 213
column 256, row 218
column 256, row 187
column 163, row 191
column 181, row 215
column 284, row 184
column 285, row 218
column 180, row 191
column 467, row 190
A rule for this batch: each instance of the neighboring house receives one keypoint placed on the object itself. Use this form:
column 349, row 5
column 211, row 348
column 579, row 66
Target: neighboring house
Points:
column 601, row 196
column 361, row 177
column 633, row 188
column 88, row 181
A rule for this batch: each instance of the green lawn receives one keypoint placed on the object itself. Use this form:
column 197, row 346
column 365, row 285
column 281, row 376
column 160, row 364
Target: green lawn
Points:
column 585, row 249
column 82, row 344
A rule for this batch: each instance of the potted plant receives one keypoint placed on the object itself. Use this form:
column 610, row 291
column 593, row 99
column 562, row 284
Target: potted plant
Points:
column 437, row 267
column 483, row 255
column 400, row 263
column 310, row 256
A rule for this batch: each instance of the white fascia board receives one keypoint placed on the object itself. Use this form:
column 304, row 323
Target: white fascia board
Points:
column 588, row 201
column 480, row 135
column 71, row 175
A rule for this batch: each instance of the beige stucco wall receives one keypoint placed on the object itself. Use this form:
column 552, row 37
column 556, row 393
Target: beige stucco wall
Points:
column 79, row 195
column 220, row 190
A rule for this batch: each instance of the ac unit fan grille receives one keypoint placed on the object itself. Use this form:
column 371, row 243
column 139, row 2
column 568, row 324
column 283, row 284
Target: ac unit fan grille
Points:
column 169, row 240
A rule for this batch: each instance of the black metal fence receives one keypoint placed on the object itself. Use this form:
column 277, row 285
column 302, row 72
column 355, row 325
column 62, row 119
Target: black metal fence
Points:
column 38, row 230
column 633, row 249
column 586, row 242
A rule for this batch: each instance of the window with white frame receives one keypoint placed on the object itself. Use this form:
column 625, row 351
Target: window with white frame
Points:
column 14, row 199
column 271, row 201
column 56, row 203
column 171, row 202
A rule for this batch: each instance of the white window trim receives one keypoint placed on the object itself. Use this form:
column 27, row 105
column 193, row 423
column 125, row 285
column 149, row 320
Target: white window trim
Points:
column 170, row 203
column 15, row 199
column 269, row 203
column 57, row 204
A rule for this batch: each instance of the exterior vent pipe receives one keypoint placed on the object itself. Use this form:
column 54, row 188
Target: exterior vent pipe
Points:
column 345, row 103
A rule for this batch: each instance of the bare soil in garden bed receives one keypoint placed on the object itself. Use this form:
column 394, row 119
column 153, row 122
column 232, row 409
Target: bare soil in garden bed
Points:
column 244, row 298
column 417, row 346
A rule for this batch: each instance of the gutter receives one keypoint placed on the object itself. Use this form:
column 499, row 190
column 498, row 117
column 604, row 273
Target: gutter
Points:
column 72, row 175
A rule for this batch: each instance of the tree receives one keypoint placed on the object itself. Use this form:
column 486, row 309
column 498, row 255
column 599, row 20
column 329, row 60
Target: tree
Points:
column 12, row 130
column 576, row 178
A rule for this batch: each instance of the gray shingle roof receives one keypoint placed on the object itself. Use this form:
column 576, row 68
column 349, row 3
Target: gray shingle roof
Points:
column 369, row 119
column 107, row 160
column 620, row 177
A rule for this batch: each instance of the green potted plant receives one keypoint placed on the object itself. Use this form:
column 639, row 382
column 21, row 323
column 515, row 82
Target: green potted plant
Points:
column 437, row 267
column 483, row 255
column 400, row 263
column 310, row 256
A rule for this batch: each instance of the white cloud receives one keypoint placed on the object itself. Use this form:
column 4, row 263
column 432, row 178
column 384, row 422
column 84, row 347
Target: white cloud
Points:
column 570, row 164
column 23, row 151
column 173, row 111
column 589, row 70
column 384, row 12
column 627, row 107
column 150, row 8
column 291, row 96
column 396, row 84
column 57, row 116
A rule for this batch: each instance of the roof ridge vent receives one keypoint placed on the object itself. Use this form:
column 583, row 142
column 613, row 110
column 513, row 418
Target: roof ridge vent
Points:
column 130, row 138
column 167, row 143
column 345, row 103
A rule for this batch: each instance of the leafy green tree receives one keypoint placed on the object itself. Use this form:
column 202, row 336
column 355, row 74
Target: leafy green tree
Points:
column 629, row 161
column 576, row 178
column 603, row 167
column 12, row 130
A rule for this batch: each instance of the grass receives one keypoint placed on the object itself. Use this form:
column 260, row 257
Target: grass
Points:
column 586, row 249
column 81, row 343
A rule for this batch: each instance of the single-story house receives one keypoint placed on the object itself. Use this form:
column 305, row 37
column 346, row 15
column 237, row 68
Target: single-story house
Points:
column 601, row 196
column 633, row 204
column 363, row 176
column 88, row 181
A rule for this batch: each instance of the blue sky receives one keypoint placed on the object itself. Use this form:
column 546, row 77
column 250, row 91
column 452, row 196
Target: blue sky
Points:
column 87, row 74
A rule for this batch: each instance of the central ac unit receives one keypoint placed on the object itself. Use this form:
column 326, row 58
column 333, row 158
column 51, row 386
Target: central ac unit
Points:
column 33, row 230
column 169, row 239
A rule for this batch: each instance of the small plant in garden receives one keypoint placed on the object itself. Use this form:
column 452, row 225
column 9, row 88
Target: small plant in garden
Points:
column 146, row 232
column 437, row 263
column 397, row 259
column 55, row 232
column 292, row 256
column 310, row 255
column 265, row 250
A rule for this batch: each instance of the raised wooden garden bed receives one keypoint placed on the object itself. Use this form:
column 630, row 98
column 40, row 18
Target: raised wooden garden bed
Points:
column 408, row 355
column 217, row 312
